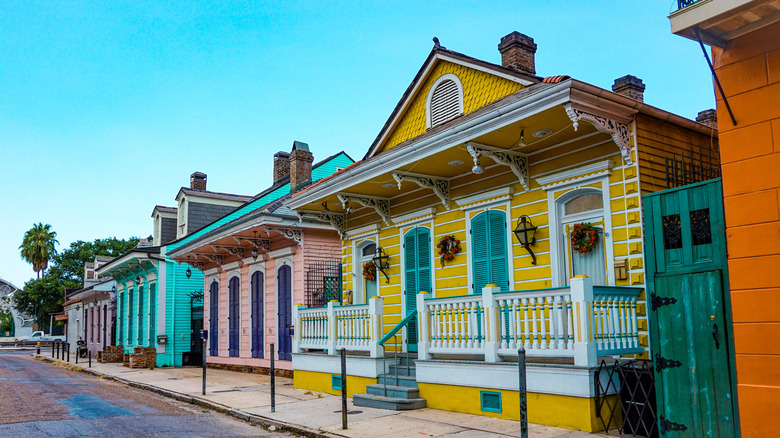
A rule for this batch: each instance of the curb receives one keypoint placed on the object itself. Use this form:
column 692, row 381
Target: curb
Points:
column 253, row 419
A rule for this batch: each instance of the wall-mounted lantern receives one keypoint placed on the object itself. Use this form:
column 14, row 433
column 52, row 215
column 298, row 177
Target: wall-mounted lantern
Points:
column 382, row 261
column 525, row 231
column 188, row 273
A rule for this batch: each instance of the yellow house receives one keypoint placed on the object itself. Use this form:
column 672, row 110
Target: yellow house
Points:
column 457, row 241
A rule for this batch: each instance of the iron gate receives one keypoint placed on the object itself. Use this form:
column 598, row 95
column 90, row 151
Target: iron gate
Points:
column 625, row 399
column 323, row 283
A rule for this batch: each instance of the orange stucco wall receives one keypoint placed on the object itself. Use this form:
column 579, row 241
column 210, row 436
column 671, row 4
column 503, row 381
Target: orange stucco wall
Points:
column 749, row 70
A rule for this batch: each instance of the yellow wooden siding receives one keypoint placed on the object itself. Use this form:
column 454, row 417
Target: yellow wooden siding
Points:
column 453, row 280
column 479, row 89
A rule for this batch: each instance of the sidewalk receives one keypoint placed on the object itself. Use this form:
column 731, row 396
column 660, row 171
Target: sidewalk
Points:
column 247, row 396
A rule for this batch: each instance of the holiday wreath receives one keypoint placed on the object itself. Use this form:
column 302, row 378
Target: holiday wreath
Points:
column 369, row 271
column 448, row 246
column 584, row 237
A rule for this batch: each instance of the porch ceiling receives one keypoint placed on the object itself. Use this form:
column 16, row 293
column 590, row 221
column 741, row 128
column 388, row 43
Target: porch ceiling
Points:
column 456, row 161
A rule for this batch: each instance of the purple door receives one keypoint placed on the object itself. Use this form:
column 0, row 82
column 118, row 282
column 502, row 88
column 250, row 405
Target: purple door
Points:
column 284, row 312
column 258, row 315
column 233, row 317
column 214, row 319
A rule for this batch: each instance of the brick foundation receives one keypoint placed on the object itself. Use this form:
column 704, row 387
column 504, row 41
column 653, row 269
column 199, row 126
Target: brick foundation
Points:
column 250, row 369
column 112, row 354
column 141, row 357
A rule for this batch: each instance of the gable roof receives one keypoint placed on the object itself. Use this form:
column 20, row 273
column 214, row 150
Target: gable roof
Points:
column 212, row 195
column 280, row 189
column 439, row 53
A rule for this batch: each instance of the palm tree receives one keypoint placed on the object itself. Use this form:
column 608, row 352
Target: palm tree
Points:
column 38, row 246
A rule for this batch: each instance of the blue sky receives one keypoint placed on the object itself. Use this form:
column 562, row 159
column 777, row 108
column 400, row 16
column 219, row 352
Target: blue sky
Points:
column 106, row 108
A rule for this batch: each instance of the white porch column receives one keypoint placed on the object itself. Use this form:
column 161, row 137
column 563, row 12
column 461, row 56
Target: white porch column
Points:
column 375, row 311
column 332, row 328
column 492, row 322
column 298, row 328
column 424, row 327
column 582, row 299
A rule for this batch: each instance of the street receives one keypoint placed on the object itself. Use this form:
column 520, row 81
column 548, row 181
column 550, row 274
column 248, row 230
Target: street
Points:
column 43, row 400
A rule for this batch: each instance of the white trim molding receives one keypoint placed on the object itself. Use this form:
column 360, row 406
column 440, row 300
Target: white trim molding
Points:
column 486, row 198
column 415, row 216
column 572, row 176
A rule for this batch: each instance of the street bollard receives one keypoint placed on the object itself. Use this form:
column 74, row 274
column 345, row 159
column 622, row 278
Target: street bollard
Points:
column 38, row 350
column 77, row 355
column 343, row 388
column 67, row 345
column 89, row 355
column 52, row 350
column 522, row 393
column 58, row 350
column 204, row 336
column 273, row 381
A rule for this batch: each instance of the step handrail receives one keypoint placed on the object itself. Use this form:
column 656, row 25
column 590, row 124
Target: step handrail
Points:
column 404, row 322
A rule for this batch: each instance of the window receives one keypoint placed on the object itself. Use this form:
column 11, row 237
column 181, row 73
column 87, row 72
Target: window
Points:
column 489, row 250
column 445, row 100
column 578, row 206
column 234, row 320
column 364, row 288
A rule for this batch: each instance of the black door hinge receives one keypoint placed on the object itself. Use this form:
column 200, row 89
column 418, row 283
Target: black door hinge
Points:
column 662, row 362
column 657, row 301
column 666, row 426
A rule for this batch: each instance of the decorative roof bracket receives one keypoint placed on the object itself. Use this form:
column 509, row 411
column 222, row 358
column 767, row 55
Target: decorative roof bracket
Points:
column 289, row 233
column 516, row 161
column 197, row 264
column 210, row 256
column 380, row 205
column 232, row 250
column 618, row 130
column 264, row 244
column 336, row 220
column 440, row 186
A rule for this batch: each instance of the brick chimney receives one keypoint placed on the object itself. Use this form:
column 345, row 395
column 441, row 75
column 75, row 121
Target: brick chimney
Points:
column 708, row 117
column 281, row 165
column 198, row 181
column 517, row 52
column 630, row 86
column 300, row 165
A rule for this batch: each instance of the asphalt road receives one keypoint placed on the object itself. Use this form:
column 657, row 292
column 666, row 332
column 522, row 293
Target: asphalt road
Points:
column 39, row 399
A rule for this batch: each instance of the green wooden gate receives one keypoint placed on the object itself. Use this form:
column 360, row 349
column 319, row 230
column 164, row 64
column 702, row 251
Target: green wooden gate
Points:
column 688, row 307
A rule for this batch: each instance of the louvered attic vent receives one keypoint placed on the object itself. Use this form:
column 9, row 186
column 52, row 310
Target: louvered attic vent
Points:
column 446, row 102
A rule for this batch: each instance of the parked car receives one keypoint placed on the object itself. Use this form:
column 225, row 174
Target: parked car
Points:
column 40, row 336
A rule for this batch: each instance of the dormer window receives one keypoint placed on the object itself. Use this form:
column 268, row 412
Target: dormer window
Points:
column 445, row 100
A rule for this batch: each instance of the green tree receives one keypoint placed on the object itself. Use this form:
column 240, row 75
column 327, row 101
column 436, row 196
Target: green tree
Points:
column 69, row 263
column 40, row 296
column 45, row 295
column 37, row 246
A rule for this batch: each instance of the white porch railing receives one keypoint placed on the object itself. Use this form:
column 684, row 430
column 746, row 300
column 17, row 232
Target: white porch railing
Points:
column 331, row 328
column 579, row 321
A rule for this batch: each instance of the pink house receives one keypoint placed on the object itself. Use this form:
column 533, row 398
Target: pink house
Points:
column 261, row 260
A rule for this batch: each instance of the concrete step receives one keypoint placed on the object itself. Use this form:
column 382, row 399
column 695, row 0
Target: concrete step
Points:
column 402, row 370
column 389, row 403
column 407, row 381
column 405, row 392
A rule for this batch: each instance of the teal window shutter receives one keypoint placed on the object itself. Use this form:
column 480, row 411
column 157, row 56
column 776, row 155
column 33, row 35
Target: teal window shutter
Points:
column 499, row 274
column 423, row 260
column 489, row 250
column 410, row 259
column 480, row 252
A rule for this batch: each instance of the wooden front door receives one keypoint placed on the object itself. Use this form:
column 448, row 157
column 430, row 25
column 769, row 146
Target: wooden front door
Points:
column 417, row 275
column 258, row 314
column 234, row 318
column 690, row 329
column 284, row 309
